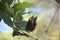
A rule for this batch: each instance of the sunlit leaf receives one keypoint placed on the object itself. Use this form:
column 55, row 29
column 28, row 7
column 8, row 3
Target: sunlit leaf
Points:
column 21, row 6
column 25, row 5
column 30, row 1
column 9, row 9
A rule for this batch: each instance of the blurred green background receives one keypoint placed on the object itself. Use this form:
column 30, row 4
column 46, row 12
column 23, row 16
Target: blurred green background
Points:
column 44, row 12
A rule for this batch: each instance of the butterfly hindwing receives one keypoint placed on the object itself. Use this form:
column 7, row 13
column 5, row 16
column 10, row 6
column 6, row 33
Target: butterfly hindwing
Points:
column 31, row 24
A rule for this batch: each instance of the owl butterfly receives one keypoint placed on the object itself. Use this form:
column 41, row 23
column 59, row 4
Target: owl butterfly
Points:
column 31, row 24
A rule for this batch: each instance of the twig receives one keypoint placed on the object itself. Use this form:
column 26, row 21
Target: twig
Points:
column 30, row 35
column 47, row 28
column 51, row 21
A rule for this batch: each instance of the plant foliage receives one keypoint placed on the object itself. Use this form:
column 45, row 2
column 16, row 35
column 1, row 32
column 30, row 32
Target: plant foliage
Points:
column 12, row 16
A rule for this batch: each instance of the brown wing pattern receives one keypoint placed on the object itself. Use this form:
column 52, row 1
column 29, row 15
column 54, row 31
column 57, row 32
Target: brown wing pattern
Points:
column 31, row 24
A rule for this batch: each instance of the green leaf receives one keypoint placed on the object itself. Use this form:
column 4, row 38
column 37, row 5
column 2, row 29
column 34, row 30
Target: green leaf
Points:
column 26, row 5
column 17, row 33
column 9, row 9
column 2, row 14
column 8, row 21
column 21, row 25
column 8, row 1
column 21, row 6
column 2, row 7
column 18, row 9
column 18, row 17
column 0, row 18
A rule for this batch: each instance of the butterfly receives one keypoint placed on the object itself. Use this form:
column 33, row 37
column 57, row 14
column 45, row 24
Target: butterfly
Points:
column 31, row 24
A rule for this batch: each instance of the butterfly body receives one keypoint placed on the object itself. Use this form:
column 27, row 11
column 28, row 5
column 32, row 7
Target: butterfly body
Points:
column 31, row 24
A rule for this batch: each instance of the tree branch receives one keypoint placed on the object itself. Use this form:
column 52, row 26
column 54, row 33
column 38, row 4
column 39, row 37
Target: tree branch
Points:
column 47, row 28
column 29, row 35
